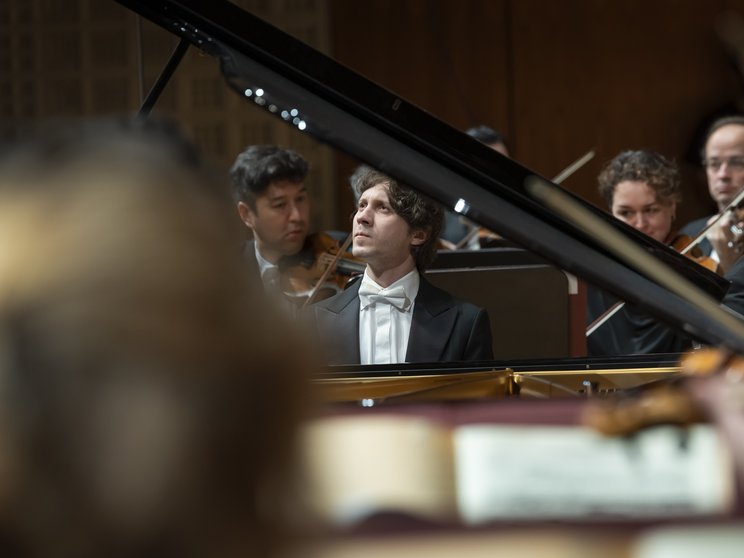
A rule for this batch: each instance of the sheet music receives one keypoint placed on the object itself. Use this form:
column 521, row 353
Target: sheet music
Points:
column 520, row 472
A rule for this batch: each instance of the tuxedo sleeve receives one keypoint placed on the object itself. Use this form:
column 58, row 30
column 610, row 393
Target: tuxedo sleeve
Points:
column 480, row 341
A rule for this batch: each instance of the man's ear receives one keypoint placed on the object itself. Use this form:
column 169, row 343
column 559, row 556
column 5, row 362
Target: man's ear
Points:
column 419, row 237
column 247, row 215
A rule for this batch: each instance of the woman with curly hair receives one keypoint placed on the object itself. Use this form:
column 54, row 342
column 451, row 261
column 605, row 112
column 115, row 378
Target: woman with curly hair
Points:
column 642, row 189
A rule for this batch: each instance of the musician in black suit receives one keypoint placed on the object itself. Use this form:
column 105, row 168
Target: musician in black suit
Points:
column 723, row 159
column 642, row 189
column 272, row 200
column 393, row 314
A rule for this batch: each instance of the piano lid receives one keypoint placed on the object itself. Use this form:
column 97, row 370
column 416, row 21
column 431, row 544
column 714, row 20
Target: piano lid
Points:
column 309, row 90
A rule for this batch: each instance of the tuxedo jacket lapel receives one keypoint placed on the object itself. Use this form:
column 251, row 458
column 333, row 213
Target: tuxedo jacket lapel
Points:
column 248, row 254
column 340, row 317
column 432, row 323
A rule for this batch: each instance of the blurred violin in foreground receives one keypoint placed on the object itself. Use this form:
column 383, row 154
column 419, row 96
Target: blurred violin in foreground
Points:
column 710, row 388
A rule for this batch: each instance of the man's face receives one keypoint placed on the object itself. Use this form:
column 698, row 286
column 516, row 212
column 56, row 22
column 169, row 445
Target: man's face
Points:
column 382, row 238
column 280, row 220
column 724, row 163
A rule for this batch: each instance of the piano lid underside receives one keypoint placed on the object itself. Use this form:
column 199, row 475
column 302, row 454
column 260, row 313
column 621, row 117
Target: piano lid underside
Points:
column 343, row 109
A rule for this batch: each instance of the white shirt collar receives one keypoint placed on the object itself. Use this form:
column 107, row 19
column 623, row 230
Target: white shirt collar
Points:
column 263, row 263
column 410, row 283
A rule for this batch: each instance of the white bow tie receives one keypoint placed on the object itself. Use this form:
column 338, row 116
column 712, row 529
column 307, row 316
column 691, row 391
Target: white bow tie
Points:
column 396, row 296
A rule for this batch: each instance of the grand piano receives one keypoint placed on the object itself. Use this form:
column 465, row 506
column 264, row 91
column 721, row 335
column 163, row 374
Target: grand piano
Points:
column 308, row 90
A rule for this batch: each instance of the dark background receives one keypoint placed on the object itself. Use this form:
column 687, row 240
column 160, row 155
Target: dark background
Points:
column 557, row 78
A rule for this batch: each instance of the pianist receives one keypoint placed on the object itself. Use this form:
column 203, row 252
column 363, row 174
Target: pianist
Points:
column 393, row 314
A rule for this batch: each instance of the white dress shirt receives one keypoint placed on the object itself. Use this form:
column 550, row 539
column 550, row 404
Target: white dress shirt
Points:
column 269, row 272
column 271, row 279
column 383, row 327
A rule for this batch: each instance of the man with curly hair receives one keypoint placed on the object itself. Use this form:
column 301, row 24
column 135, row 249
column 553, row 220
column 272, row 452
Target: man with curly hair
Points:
column 394, row 314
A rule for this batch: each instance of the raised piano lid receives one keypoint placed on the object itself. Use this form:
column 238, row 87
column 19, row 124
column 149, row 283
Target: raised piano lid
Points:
column 342, row 108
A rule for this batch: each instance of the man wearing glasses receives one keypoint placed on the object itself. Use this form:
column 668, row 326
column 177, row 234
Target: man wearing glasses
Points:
column 723, row 159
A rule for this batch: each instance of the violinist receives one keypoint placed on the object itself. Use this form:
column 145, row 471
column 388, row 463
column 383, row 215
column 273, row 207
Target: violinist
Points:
column 272, row 200
column 723, row 159
column 642, row 189
column 269, row 188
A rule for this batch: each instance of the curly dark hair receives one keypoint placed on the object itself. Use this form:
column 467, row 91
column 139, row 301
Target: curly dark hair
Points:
column 416, row 209
column 659, row 173
column 259, row 165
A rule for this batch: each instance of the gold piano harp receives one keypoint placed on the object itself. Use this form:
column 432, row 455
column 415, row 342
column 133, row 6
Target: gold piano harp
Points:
column 372, row 390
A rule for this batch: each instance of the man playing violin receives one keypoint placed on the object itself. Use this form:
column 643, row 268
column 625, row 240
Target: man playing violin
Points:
column 272, row 200
column 723, row 159
column 393, row 314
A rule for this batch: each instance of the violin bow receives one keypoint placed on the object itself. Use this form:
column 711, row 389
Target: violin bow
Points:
column 730, row 207
column 560, row 177
column 573, row 167
column 627, row 251
column 614, row 309
column 327, row 271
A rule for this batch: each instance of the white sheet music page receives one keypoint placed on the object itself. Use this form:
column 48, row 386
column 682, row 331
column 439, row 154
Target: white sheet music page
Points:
column 521, row 472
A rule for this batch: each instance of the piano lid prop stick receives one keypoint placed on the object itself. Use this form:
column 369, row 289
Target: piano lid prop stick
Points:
column 629, row 252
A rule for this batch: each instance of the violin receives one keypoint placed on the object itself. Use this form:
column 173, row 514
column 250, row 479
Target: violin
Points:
column 321, row 269
column 689, row 247
column 681, row 401
column 686, row 246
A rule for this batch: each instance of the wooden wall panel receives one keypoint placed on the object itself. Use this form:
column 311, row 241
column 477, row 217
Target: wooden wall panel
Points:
column 614, row 76
column 449, row 58
column 559, row 78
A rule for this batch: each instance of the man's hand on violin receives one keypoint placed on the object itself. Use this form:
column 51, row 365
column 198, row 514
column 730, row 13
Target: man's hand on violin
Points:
column 727, row 239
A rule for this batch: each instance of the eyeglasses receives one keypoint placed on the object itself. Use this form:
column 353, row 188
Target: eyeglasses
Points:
column 733, row 163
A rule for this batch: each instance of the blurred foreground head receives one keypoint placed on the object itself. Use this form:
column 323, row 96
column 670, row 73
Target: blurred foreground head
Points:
column 147, row 404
